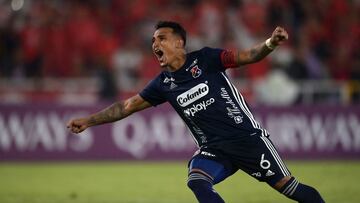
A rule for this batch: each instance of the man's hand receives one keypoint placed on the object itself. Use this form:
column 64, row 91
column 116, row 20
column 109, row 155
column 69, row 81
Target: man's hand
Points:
column 256, row 53
column 78, row 125
column 112, row 113
column 279, row 36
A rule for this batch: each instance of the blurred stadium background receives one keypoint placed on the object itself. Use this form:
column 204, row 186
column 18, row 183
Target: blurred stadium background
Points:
column 64, row 58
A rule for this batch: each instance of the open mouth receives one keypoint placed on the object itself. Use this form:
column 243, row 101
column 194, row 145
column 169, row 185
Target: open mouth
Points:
column 158, row 53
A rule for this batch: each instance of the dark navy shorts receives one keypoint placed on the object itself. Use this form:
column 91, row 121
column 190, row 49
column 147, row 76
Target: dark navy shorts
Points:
column 255, row 155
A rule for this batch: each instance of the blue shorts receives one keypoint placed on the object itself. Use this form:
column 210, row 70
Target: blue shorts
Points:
column 256, row 156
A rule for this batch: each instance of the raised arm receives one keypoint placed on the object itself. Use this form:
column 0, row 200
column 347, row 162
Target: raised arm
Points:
column 232, row 59
column 114, row 112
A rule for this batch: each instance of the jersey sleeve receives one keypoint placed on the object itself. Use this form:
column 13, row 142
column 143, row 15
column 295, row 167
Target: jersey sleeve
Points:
column 152, row 93
column 220, row 59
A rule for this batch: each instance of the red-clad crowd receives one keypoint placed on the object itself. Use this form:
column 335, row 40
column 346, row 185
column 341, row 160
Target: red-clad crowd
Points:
column 79, row 38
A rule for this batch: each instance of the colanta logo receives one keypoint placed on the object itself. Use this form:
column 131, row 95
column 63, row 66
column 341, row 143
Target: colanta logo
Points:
column 192, row 94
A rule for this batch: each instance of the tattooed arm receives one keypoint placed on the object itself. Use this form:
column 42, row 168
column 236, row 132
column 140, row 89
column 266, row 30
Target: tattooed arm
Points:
column 114, row 112
column 232, row 59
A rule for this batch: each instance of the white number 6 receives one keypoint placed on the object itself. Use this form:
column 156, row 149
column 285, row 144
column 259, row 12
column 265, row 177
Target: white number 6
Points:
column 265, row 164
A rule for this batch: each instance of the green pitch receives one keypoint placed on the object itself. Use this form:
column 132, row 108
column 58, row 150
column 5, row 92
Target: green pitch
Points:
column 159, row 182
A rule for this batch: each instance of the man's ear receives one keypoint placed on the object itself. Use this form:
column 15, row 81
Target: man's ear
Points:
column 179, row 43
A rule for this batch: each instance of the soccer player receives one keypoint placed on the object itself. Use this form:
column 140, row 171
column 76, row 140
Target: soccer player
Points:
column 222, row 125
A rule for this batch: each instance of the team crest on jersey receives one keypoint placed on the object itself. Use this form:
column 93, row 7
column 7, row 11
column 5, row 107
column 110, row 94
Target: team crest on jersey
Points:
column 195, row 71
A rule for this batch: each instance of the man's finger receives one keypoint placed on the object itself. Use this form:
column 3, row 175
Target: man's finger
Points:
column 282, row 35
column 76, row 130
column 68, row 123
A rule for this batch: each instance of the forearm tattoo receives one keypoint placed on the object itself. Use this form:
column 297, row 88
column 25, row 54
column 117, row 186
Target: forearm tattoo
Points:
column 110, row 114
column 232, row 59
column 258, row 52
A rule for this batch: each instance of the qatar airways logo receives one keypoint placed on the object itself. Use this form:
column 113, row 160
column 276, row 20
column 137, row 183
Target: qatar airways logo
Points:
column 192, row 94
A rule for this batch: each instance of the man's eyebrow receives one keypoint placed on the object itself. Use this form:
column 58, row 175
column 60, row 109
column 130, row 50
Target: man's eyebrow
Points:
column 161, row 35
column 158, row 36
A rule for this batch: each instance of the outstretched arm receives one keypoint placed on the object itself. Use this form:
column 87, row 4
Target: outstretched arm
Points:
column 233, row 59
column 114, row 112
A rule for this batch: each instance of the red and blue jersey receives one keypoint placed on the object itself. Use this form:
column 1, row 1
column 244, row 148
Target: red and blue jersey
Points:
column 203, row 96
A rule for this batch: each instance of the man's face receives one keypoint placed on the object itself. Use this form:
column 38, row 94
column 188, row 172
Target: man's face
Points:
column 165, row 45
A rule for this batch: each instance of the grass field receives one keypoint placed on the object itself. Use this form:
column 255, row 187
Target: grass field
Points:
column 159, row 182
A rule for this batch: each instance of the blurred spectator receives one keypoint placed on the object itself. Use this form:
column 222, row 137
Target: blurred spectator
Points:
column 31, row 45
column 355, row 77
column 126, row 61
column 108, row 90
column 277, row 89
column 210, row 18
column 9, row 46
column 56, row 54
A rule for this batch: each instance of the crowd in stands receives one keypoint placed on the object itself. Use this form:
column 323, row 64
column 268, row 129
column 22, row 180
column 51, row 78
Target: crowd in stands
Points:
column 86, row 38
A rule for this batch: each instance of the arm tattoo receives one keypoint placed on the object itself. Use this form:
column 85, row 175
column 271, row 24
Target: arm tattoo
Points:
column 258, row 52
column 110, row 114
column 232, row 59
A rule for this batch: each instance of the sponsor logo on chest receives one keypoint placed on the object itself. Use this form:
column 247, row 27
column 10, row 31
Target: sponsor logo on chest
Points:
column 192, row 94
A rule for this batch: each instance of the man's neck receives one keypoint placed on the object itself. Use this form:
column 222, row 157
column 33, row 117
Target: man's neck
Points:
column 177, row 63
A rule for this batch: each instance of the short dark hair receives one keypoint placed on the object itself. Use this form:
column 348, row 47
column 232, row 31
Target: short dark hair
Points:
column 177, row 28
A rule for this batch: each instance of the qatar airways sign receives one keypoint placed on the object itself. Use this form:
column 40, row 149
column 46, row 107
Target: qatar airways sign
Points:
column 314, row 132
column 39, row 132
column 36, row 132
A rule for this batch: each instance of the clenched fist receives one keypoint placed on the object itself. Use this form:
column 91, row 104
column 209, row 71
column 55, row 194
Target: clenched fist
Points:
column 77, row 125
column 279, row 36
